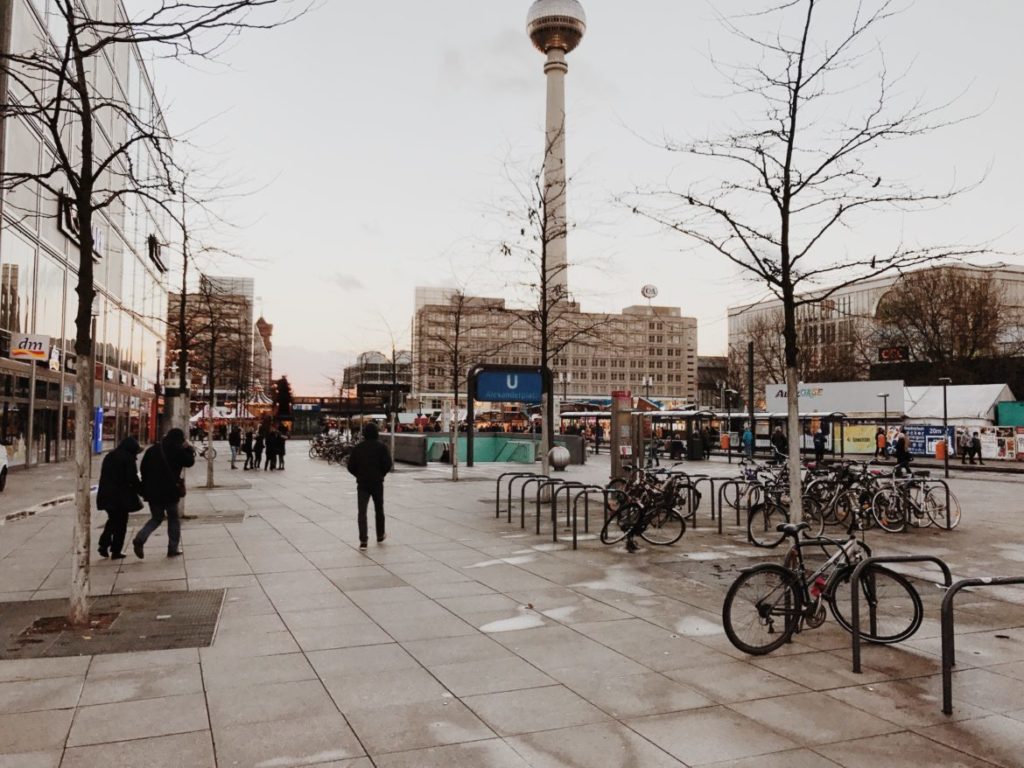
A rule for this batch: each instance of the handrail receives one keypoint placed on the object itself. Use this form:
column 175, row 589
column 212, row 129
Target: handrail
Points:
column 948, row 650
column 855, row 578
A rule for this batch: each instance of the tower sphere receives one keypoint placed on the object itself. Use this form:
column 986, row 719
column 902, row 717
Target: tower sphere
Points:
column 556, row 24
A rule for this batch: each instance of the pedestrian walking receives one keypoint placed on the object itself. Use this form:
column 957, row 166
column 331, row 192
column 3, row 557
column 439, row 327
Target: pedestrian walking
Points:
column 598, row 438
column 247, row 449
column 902, row 453
column 118, row 495
column 976, row 448
column 257, row 451
column 880, row 441
column 163, row 486
column 235, row 443
column 748, row 442
column 819, row 446
column 369, row 462
column 780, row 444
column 963, row 445
column 705, row 442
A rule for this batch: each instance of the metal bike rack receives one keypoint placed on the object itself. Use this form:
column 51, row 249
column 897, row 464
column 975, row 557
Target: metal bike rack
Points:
column 539, row 479
column 567, row 486
column 497, row 491
column 551, row 482
column 948, row 650
column 526, row 478
column 858, row 572
column 585, row 491
column 722, row 489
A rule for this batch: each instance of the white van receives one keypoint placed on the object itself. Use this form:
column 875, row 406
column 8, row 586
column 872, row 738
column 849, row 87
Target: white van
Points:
column 3, row 467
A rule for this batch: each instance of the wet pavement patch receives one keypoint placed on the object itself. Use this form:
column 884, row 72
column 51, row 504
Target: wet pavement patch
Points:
column 150, row 621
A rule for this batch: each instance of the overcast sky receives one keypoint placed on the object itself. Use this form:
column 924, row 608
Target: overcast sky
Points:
column 374, row 139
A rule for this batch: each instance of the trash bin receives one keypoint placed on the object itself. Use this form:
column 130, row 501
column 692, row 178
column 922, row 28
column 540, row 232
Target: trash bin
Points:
column 695, row 447
column 940, row 450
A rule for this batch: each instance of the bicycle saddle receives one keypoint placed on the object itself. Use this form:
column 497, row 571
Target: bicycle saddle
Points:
column 791, row 529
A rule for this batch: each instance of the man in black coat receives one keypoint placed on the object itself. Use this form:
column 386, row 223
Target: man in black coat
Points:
column 163, row 487
column 235, row 443
column 118, row 495
column 369, row 462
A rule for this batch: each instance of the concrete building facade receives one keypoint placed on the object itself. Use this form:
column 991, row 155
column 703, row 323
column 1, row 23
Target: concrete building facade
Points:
column 838, row 332
column 645, row 349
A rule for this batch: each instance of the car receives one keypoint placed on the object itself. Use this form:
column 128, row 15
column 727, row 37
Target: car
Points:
column 3, row 467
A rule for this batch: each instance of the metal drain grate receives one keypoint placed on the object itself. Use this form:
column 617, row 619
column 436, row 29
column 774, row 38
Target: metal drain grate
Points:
column 214, row 518
column 145, row 621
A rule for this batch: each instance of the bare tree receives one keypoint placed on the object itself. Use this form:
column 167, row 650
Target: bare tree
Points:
column 800, row 169
column 105, row 149
column 449, row 340
column 552, row 316
column 948, row 316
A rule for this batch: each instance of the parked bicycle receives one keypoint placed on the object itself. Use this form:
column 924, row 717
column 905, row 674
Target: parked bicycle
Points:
column 655, row 518
column 916, row 501
column 769, row 603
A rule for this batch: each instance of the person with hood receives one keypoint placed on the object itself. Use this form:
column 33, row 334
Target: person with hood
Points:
column 369, row 462
column 163, row 486
column 118, row 495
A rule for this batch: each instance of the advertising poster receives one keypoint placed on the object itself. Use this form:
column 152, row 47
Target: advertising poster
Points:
column 924, row 438
column 1020, row 443
column 859, row 438
column 989, row 437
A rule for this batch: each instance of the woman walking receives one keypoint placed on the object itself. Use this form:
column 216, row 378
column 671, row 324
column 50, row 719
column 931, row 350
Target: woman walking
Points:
column 163, row 487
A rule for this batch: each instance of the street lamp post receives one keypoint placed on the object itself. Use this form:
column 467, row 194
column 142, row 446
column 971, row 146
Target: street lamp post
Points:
column 885, row 418
column 647, row 382
column 565, row 378
column 945, row 381
column 154, row 430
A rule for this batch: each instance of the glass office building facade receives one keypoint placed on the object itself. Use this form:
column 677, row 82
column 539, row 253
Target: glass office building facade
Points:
column 38, row 262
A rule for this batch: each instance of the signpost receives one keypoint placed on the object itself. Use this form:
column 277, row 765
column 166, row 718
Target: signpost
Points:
column 502, row 384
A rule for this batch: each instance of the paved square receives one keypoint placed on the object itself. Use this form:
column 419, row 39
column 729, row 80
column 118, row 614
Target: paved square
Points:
column 466, row 642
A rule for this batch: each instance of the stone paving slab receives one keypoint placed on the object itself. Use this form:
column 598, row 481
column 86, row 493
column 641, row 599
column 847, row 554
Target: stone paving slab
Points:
column 464, row 640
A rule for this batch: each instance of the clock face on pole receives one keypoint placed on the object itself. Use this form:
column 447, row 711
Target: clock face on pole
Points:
column 649, row 291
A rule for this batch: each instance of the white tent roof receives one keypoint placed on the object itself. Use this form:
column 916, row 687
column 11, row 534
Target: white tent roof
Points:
column 965, row 401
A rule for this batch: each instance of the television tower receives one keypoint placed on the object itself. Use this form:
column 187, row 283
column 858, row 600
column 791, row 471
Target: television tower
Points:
column 556, row 27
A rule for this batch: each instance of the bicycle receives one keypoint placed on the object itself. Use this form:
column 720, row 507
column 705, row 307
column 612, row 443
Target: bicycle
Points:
column 769, row 603
column 915, row 502
column 656, row 520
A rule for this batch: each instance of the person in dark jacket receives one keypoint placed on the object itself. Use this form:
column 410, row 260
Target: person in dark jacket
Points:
column 369, row 462
column 819, row 446
column 902, row 453
column 780, row 444
column 118, row 495
column 282, row 440
column 271, row 447
column 257, row 451
column 235, row 442
column 247, row 450
column 163, row 487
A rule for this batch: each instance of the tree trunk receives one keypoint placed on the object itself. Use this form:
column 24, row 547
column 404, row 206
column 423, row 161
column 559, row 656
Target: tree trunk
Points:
column 78, row 611
column 793, row 427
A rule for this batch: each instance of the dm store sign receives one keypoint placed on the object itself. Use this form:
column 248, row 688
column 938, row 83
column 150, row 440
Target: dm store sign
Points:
column 27, row 347
column 509, row 386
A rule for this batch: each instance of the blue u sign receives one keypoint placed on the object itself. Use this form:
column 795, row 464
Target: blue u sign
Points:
column 509, row 386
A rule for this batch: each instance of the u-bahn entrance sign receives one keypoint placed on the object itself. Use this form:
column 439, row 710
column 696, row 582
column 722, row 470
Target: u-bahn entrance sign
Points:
column 502, row 384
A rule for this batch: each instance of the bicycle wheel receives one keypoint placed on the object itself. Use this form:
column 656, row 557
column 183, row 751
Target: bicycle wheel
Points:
column 683, row 495
column 665, row 527
column 761, row 609
column 887, row 509
column 890, row 607
column 762, row 522
column 814, row 516
column 935, row 506
column 618, row 498
column 619, row 523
